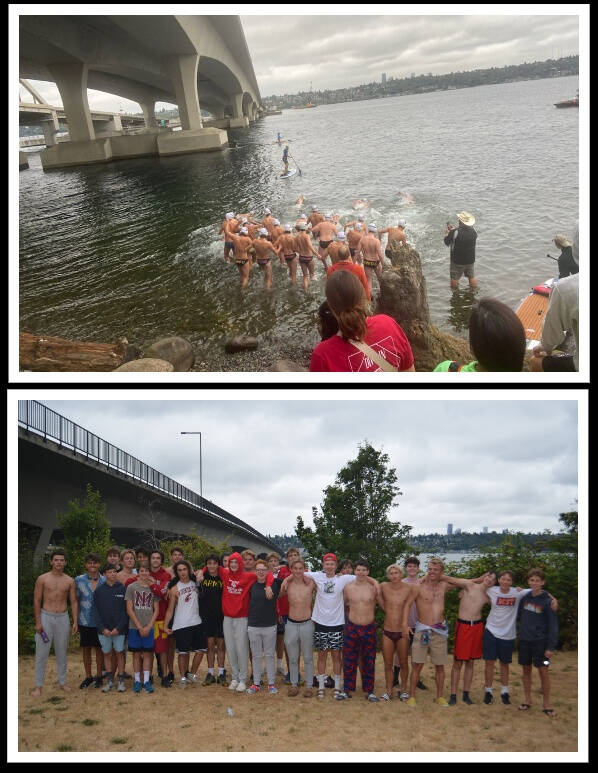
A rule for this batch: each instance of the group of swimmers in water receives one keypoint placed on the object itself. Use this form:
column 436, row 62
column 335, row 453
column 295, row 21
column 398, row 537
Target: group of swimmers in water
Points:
column 250, row 241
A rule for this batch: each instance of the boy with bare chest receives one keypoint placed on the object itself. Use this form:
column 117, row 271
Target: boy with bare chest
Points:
column 397, row 597
column 299, row 628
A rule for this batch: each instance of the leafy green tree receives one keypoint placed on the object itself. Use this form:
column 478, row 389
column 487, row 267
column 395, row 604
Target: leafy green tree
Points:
column 354, row 522
column 86, row 529
column 195, row 549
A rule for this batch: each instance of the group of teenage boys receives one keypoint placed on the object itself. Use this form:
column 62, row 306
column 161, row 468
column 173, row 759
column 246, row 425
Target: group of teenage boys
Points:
column 239, row 605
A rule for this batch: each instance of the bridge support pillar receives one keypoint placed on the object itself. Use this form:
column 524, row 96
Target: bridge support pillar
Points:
column 71, row 80
column 182, row 70
column 192, row 141
column 238, row 120
column 49, row 128
column 23, row 160
column 108, row 128
column 149, row 115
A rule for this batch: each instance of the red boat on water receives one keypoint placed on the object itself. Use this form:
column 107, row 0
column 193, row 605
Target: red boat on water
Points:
column 568, row 102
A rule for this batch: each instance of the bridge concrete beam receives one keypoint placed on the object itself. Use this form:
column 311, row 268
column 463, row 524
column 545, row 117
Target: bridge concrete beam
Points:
column 71, row 80
column 149, row 114
column 49, row 128
column 182, row 70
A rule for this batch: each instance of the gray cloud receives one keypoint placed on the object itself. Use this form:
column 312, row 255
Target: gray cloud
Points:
column 499, row 464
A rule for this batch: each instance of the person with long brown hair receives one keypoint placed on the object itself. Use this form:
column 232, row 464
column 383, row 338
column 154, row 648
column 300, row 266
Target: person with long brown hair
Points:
column 363, row 343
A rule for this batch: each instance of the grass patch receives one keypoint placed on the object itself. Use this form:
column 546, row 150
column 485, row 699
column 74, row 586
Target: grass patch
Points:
column 62, row 708
column 35, row 711
column 185, row 725
column 64, row 747
column 118, row 740
column 55, row 699
column 89, row 722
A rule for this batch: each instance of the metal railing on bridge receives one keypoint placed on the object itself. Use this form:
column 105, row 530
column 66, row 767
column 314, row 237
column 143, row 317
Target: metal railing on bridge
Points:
column 37, row 418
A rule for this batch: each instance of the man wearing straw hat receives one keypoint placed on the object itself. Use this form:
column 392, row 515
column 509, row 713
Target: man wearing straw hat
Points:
column 462, row 241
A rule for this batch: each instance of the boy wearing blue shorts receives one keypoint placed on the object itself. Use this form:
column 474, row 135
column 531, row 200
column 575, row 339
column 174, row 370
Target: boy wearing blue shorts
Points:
column 111, row 618
column 142, row 608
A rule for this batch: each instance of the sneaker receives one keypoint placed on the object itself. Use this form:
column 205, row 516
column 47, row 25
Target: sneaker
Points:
column 488, row 698
column 340, row 696
column 108, row 686
column 308, row 693
column 165, row 682
column 99, row 681
column 170, row 677
column 385, row 697
column 453, row 700
column 137, row 687
column 441, row 701
column 233, row 685
column 253, row 689
column 404, row 696
column 420, row 685
column 329, row 682
column 287, row 678
column 193, row 678
column 372, row 698
column 467, row 699
column 241, row 687
column 222, row 679
column 272, row 690
column 121, row 686
column 210, row 679
column 505, row 698
column 293, row 691
column 412, row 702
column 87, row 682
column 148, row 686
column 183, row 683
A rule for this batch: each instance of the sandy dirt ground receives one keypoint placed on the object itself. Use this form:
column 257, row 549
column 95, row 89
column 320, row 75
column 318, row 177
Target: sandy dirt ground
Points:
column 196, row 719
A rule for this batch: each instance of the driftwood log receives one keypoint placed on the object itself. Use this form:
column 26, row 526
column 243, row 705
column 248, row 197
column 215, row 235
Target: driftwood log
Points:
column 403, row 297
column 50, row 353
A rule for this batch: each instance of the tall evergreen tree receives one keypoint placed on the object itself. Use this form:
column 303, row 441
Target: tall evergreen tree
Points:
column 354, row 517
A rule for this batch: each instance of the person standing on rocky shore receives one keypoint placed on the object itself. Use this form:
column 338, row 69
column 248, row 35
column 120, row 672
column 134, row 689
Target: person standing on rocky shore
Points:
column 462, row 242
column 395, row 234
column 371, row 251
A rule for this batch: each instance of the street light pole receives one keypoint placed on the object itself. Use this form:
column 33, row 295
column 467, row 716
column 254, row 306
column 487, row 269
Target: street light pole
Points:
column 200, row 470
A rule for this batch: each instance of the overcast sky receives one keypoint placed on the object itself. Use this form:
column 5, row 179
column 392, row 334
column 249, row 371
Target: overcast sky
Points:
column 290, row 52
column 474, row 463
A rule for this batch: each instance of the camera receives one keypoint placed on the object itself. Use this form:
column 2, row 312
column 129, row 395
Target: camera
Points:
column 546, row 663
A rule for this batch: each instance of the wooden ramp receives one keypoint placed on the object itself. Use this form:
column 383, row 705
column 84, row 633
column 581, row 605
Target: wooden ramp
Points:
column 531, row 312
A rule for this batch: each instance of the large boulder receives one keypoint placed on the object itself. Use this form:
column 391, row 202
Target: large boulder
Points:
column 403, row 297
column 51, row 353
column 177, row 351
column 146, row 365
column 240, row 344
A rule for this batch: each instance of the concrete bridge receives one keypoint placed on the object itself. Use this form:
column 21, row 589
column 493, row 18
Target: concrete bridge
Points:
column 190, row 61
column 57, row 459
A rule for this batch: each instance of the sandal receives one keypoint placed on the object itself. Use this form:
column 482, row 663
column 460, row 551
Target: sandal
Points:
column 550, row 712
column 524, row 707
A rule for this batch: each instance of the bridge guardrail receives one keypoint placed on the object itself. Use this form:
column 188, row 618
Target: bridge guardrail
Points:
column 41, row 420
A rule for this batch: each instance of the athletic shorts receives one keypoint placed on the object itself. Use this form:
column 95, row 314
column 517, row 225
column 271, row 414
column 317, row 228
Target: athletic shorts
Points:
column 280, row 628
column 531, row 653
column 137, row 644
column 497, row 649
column 429, row 641
column 468, row 640
column 109, row 643
column 457, row 270
column 161, row 643
column 88, row 636
column 212, row 627
column 328, row 637
column 191, row 639
column 323, row 245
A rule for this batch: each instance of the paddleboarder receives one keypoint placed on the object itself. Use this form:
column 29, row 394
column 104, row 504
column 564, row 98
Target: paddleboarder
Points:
column 285, row 160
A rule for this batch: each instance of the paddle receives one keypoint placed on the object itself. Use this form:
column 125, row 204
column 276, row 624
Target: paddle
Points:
column 551, row 258
column 297, row 165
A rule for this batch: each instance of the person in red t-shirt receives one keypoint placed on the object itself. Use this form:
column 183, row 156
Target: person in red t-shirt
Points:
column 341, row 259
column 159, row 587
column 347, row 301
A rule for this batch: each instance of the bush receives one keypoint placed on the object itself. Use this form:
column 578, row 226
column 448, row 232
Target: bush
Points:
column 86, row 530
column 195, row 549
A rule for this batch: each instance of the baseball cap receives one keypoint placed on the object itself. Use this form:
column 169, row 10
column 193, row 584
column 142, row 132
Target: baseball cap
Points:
column 328, row 557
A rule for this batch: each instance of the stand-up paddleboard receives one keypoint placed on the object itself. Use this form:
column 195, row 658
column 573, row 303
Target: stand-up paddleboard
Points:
column 532, row 310
column 290, row 173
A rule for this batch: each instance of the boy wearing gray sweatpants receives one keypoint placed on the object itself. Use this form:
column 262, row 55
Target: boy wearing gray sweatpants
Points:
column 299, row 637
column 51, row 594
column 299, row 631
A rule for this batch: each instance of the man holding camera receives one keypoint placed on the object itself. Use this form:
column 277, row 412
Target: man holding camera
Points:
column 462, row 241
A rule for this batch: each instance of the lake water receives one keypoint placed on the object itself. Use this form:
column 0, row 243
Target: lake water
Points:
column 130, row 248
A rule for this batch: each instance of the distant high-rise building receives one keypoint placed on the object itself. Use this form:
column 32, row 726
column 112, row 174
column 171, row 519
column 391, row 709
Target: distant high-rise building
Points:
column 485, row 530
column 457, row 531
column 449, row 529
column 383, row 78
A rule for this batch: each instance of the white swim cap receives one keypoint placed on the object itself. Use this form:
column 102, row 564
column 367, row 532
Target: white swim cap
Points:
column 372, row 227
column 288, row 227
column 340, row 235
column 361, row 217
column 263, row 232
column 302, row 215
column 302, row 227
column 276, row 222
column 244, row 231
column 314, row 209
column 358, row 226
column 267, row 211
column 402, row 223
column 230, row 215
column 244, row 220
column 329, row 216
